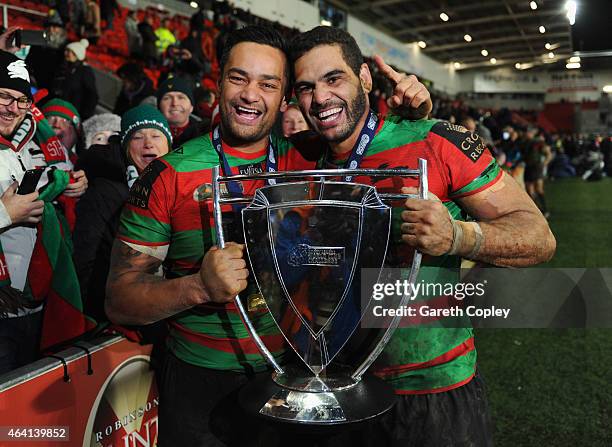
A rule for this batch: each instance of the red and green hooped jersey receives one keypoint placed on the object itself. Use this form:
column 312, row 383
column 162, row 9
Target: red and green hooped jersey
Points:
column 429, row 358
column 169, row 205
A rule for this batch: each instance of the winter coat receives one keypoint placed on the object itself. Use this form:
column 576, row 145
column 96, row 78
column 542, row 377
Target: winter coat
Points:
column 97, row 221
column 76, row 83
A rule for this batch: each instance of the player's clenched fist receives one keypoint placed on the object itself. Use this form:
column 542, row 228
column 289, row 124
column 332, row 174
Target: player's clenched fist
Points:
column 224, row 272
column 426, row 225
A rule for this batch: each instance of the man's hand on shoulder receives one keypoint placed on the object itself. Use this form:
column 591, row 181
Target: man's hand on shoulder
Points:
column 224, row 273
column 24, row 208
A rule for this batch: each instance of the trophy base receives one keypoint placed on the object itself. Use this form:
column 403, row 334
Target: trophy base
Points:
column 367, row 399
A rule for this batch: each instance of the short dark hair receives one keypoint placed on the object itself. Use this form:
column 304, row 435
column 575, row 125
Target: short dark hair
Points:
column 260, row 35
column 327, row 35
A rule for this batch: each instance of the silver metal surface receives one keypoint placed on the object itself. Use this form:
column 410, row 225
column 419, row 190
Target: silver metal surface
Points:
column 300, row 380
column 324, row 173
column 306, row 241
column 414, row 271
column 297, row 406
column 241, row 310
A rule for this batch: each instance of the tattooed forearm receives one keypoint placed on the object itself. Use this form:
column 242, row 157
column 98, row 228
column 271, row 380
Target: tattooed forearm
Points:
column 135, row 294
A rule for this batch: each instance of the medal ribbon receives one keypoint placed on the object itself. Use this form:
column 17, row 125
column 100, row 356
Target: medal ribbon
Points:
column 233, row 187
column 361, row 146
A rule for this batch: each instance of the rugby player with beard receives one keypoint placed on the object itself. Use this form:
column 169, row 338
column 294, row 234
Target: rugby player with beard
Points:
column 433, row 369
column 168, row 221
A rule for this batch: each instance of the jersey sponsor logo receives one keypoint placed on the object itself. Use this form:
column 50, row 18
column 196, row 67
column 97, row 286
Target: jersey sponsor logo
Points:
column 470, row 144
column 141, row 190
column 250, row 169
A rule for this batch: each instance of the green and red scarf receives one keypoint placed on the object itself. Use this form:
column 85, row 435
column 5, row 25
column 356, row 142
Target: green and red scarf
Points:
column 51, row 275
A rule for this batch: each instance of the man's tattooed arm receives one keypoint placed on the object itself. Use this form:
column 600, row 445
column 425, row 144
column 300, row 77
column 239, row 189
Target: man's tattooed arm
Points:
column 135, row 295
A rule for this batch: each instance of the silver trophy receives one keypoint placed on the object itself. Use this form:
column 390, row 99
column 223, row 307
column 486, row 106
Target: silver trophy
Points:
column 307, row 241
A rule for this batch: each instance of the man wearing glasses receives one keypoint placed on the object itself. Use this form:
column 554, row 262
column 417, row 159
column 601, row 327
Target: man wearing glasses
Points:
column 26, row 142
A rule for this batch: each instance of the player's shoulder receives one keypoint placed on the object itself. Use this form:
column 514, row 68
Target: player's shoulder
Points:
column 282, row 144
column 193, row 155
column 397, row 127
column 446, row 136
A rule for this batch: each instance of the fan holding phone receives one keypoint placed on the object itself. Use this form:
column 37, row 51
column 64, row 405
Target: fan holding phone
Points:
column 29, row 150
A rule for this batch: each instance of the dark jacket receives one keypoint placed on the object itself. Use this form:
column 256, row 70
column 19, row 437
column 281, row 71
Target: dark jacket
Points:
column 97, row 220
column 44, row 63
column 193, row 130
column 126, row 100
column 76, row 83
column 149, row 50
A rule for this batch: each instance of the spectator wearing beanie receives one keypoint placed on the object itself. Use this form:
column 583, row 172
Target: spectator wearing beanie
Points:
column 27, row 143
column 175, row 100
column 111, row 169
column 76, row 82
column 99, row 128
column 66, row 123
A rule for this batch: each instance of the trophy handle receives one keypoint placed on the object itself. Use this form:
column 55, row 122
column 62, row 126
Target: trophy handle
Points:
column 221, row 243
column 414, row 271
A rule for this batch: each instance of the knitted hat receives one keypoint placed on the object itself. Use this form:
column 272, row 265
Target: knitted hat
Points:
column 143, row 117
column 175, row 85
column 14, row 74
column 100, row 123
column 53, row 19
column 59, row 107
column 79, row 48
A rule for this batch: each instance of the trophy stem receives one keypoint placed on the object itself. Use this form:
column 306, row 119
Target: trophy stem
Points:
column 221, row 242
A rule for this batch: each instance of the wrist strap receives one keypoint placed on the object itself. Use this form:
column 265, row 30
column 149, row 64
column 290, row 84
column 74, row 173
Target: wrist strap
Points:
column 457, row 237
column 479, row 237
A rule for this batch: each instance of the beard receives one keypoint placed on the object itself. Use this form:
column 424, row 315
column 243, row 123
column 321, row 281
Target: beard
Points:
column 7, row 130
column 57, row 39
column 354, row 112
column 235, row 134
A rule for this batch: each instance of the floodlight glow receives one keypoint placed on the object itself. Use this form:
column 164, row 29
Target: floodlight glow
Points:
column 571, row 6
column 485, row 53
column 467, row 38
column 421, row 44
column 444, row 16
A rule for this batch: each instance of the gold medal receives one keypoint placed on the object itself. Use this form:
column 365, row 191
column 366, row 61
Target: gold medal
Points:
column 256, row 302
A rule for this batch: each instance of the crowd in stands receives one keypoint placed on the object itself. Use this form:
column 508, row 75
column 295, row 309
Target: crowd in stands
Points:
column 168, row 67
